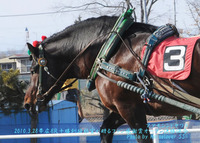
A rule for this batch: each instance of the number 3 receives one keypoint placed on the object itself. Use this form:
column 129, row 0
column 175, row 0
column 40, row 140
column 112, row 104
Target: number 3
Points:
column 180, row 57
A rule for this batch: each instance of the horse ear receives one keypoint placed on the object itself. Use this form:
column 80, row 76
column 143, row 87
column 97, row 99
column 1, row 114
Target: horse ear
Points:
column 34, row 50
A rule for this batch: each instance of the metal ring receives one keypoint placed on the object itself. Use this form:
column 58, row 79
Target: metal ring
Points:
column 42, row 62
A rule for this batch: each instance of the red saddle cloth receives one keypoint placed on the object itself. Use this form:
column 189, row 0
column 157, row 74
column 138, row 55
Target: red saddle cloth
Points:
column 172, row 59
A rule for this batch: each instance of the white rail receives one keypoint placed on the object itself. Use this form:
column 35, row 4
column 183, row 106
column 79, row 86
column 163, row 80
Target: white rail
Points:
column 155, row 133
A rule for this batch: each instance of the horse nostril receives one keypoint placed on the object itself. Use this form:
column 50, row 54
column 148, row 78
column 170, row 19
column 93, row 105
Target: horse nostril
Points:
column 27, row 106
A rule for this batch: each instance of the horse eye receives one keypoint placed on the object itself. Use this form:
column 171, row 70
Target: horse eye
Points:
column 34, row 68
column 31, row 58
column 32, row 72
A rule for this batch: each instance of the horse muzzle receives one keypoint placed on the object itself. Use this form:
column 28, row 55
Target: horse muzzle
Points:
column 30, row 108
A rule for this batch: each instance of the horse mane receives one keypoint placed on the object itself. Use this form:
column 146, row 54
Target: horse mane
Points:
column 102, row 21
column 75, row 37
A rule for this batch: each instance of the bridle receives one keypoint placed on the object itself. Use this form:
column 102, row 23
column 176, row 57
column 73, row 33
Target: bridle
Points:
column 42, row 63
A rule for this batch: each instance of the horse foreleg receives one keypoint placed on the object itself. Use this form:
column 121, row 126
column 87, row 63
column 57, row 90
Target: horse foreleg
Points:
column 136, row 118
column 80, row 111
column 109, row 126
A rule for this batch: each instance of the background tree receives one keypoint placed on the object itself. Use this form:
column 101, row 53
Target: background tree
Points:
column 140, row 8
column 108, row 7
column 194, row 8
column 11, row 91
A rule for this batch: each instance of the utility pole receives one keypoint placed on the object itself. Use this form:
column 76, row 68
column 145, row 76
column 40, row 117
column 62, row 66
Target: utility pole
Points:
column 145, row 11
column 175, row 12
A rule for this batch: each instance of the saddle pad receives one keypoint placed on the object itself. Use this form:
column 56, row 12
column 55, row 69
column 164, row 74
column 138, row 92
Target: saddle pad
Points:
column 172, row 58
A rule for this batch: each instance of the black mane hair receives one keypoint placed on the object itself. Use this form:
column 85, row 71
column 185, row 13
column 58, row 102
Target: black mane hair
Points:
column 75, row 37
column 102, row 21
column 91, row 23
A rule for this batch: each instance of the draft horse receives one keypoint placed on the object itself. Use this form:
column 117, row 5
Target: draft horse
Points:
column 74, row 50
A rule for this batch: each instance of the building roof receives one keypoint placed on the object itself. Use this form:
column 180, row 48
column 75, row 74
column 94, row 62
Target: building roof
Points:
column 19, row 56
column 6, row 60
column 11, row 59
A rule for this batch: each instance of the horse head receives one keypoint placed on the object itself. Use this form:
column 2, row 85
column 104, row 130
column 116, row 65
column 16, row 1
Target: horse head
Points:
column 35, row 98
column 57, row 52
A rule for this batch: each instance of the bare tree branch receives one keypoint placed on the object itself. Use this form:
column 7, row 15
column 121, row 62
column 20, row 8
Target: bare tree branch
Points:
column 141, row 11
column 150, row 6
column 94, row 3
column 134, row 14
column 93, row 6
column 104, row 7
column 195, row 12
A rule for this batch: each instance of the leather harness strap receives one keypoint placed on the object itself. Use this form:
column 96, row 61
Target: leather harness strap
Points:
column 178, row 93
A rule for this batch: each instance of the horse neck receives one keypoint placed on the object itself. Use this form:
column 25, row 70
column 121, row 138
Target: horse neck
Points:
column 87, row 58
column 67, row 49
column 67, row 45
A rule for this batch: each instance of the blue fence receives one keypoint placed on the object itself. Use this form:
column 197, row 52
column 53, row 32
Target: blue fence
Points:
column 59, row 118
column 63, row 118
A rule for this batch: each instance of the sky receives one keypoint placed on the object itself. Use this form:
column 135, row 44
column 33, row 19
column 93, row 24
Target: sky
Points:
column 17, row 15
